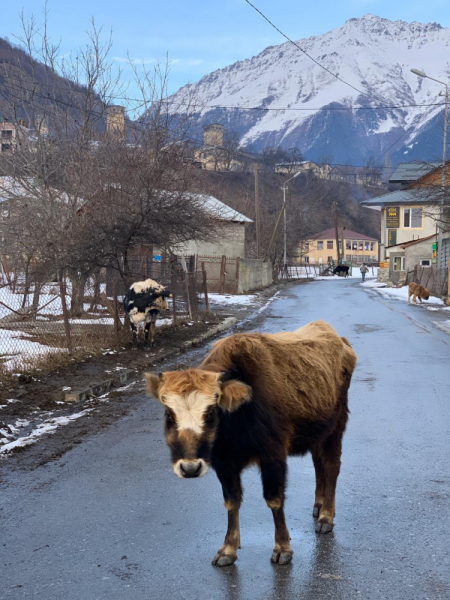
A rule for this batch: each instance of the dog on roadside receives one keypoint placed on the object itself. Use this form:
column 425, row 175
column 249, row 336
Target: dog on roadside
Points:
column 417, row 291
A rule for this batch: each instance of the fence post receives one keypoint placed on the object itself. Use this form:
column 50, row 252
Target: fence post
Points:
column 65, row 314
column 222, row 274
column 173, row 282
column 205, row 287
column 117, row 323
column 238, row 262
column 193, row 294
column 185, row 283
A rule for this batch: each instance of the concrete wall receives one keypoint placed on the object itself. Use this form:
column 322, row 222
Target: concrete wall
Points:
column 230, row 242
column 414, row 253
column 254, row 274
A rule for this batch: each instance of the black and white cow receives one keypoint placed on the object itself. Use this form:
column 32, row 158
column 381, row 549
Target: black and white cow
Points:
column 143, row 303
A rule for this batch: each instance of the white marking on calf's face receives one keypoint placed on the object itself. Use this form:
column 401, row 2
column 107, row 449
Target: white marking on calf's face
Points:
column 190, row 409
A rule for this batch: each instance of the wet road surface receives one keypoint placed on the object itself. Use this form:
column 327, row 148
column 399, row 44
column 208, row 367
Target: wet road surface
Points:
column 110, row 519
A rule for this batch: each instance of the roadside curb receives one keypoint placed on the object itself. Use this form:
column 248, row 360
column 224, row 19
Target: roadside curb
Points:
column 102, row 387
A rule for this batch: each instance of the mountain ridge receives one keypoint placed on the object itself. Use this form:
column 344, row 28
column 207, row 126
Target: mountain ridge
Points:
column 372, row 54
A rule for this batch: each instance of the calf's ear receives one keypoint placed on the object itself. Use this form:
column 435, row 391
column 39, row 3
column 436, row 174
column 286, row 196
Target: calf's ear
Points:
column 234, row 393
column 154, row 381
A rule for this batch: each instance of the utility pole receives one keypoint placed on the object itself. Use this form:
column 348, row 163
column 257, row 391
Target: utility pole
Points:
column 337, row 233
column 257, row 213
column 440, row 259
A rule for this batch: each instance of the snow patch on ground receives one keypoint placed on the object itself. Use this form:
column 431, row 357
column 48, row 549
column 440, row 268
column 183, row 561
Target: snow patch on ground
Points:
column 402, row 294
column 47, row 427
column 443, row 325
column 243, row 300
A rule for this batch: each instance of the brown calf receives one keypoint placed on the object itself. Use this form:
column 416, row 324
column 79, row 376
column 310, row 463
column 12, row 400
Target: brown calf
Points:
column 256, row 399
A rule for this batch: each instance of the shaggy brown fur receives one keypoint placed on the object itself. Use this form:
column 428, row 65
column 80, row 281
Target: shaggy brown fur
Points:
column 258, row 398
column 417, row 291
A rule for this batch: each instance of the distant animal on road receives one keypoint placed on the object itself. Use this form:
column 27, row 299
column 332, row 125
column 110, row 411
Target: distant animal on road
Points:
column 257, row 399
column 417, row 291
column 341, row 269
column 143, row 303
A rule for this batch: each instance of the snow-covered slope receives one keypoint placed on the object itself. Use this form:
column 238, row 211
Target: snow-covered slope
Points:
column 373, row 54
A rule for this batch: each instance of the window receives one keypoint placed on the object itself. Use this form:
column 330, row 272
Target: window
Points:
column 330, row 259
column 348, row 245
column 412, row 218
column 366, row 246
column 399, row 263
column 348, row 257
column 7, row 134
column 360, row 245
column 306, row 247
column 329, row 244
column 372, row 246
column 320, row 260
column 306, row 259
column 6, row 147
column 425, row 262
column 355, row 246
column 320, row 245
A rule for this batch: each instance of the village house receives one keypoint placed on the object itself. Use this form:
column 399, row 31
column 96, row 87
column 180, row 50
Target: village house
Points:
column 214, row 155
column 322, row 248
column 365, row 176
column 407, row 173
column 408, row 214
column 12, row 135
column 321, row 171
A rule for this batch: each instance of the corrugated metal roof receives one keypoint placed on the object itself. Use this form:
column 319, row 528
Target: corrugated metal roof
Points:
column 223, row 211
column 423, row 195
column 411, row 171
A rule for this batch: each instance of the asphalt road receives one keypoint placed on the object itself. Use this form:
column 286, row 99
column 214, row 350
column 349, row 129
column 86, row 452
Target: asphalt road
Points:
column 110, row 519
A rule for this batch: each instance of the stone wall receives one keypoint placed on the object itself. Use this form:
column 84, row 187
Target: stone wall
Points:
column 383, row 275
column 230, row 241
column 254, row 274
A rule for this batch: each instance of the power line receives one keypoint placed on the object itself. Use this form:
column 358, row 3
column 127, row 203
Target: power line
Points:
column 250, row 108
column 248, row 155
column 309, row 56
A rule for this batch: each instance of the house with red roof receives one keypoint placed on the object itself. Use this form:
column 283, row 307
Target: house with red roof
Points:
column 322, row 247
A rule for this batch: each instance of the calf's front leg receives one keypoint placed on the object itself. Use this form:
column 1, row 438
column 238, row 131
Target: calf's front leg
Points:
column 273, row 475
column 232, row 494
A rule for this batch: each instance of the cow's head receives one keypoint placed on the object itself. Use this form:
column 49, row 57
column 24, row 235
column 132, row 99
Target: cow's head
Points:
column 194, row 400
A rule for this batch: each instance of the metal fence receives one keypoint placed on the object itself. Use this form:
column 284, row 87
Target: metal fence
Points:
column 434, row 279
column 38, row 323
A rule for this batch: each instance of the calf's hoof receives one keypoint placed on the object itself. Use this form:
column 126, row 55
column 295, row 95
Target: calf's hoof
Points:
column 324, row 527
column 223, row 560
column 281, row 557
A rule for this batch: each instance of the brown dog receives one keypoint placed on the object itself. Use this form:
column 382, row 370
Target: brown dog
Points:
column 417, row 291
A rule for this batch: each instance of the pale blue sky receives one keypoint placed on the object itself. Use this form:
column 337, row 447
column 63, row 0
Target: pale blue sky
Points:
column 202, row 35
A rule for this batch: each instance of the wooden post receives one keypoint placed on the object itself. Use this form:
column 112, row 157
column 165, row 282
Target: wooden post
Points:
column 205, row 287
column 193, row 294
column 117, row 323
column 257, row 213
column 274, row 234
column 222, row 274
column 183, row 275
column 337, row 233
column 173, row 282
column 238, row 262
column 65, row 315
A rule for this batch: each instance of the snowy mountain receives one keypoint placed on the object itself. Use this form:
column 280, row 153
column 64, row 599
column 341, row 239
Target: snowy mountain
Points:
column 372, row 54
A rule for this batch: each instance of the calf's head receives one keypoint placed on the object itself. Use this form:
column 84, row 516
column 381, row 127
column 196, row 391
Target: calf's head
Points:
column 194, row 401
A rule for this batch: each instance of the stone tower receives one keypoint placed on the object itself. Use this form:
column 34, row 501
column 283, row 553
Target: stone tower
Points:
column 213, row 135
column 115, row 119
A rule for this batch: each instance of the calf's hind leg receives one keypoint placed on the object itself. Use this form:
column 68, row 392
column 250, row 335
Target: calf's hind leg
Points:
column 273, row 475
column 320, row 480
column 232, row 494
column 330, row 453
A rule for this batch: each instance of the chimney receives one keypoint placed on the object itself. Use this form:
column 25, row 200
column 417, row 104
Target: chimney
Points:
column 213, row 135
column 115, row 119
